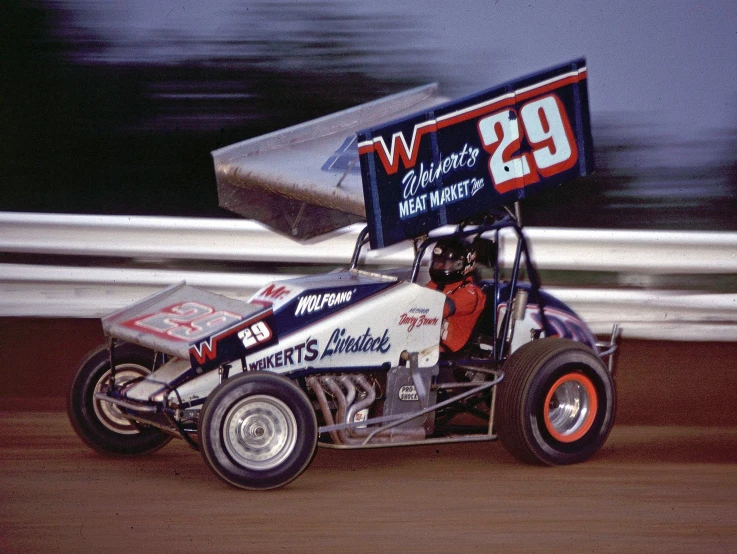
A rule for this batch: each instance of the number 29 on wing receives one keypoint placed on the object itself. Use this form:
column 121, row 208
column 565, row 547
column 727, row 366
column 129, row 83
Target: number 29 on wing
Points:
column 544, row 123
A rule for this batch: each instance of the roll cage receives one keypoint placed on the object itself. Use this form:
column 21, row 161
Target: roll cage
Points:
column 489, row 256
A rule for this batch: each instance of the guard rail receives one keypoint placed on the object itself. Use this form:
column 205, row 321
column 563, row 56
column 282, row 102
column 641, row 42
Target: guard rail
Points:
column 69, row 266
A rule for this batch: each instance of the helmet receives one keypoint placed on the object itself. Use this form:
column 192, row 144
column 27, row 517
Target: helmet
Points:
column 452, row 260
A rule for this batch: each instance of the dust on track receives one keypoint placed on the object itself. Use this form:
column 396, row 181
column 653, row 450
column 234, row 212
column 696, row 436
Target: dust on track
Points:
column 650, row 489
column 666, row 480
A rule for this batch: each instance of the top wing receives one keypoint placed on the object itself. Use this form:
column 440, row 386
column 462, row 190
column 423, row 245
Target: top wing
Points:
column 459, row 160
column 420, row 161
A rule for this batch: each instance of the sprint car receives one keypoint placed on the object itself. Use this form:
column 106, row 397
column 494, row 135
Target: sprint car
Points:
column 352, row 358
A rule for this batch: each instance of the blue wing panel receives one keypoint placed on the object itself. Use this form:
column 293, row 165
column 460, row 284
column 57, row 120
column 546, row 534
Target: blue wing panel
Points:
column 460, row 159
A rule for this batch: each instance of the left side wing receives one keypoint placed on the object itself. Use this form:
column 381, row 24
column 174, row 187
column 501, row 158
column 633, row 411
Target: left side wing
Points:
column 305, row 180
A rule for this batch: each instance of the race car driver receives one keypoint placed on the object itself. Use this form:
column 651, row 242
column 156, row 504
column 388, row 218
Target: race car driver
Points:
column 452, row 272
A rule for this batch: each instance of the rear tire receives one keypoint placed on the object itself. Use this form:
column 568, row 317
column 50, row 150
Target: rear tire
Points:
column 101, row 425
column 556, row 402
column 258, row 431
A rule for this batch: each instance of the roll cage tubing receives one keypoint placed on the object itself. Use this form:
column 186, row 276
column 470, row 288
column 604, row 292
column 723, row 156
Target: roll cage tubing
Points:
column 507, row 220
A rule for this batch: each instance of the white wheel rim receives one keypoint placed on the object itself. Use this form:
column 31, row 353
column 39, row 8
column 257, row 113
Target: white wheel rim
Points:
column 260, row 432
column 109, row 414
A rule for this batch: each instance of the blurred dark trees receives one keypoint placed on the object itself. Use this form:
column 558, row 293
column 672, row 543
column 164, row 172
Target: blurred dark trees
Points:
column 631, row 190
column 136, row 138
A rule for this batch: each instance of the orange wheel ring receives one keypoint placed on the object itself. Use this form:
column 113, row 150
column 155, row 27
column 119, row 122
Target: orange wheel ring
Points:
column 570, row 407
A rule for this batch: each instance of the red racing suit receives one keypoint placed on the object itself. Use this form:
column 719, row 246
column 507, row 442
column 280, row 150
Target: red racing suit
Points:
column 464, row 303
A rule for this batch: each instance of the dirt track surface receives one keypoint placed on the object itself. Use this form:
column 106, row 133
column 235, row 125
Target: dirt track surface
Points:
column 666, row 480
column 650, row 489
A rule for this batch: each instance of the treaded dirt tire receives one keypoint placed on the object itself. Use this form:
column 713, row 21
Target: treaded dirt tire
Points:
column 258, row 431
column 100, row 424
column 556, row 403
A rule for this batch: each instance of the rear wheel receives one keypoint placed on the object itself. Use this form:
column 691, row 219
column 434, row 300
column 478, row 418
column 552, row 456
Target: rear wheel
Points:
column 101, row 425
column 556, row 403
column 258, row 431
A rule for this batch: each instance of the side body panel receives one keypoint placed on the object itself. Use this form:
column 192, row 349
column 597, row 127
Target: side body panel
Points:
column 349, row 320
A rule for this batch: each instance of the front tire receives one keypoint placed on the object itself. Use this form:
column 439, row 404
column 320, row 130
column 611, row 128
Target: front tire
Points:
column 258, row 431
column 101, row 425
column 556, row 403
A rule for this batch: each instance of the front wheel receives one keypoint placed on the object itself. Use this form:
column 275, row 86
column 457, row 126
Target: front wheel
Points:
column 102, row 425
column 556, row 403
column 258, row 431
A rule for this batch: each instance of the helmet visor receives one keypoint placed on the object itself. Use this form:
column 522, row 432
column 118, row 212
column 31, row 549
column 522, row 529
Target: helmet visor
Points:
column 440, row 264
